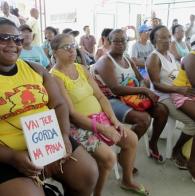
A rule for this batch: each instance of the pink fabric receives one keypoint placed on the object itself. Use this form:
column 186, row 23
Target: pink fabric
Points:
column 103, row 119
column 179, row 99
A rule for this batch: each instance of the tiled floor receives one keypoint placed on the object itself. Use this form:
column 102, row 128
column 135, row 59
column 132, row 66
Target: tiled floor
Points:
column 161, row 180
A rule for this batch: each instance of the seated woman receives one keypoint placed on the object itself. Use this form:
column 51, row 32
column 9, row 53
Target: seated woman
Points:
column 29, row 52
column 16, row 169
column 50, row 33
column 178, row 47
column 111, row 71
column 105, row 44
column 186, row 103
column 80, row 58
column 90, row 110
column 162, row 70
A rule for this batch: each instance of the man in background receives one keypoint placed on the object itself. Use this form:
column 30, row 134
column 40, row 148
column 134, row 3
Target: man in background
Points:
column 142, row 49
column 155, row 22
column 33, row 23
column 6, row 13
column 87, row 43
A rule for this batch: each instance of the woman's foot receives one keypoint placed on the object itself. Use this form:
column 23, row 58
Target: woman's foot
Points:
column 154, row 154
column 157, row 157
column 135, row 188
column 181, row 162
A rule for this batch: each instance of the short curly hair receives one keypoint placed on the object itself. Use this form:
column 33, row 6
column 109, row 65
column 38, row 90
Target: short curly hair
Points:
column 153, row 33
column 113, row 32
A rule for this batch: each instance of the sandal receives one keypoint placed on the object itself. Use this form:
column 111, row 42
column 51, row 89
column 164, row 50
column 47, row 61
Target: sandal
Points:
column 157, row 157
column 181, row 162
column 193, row 179
column 140, row 191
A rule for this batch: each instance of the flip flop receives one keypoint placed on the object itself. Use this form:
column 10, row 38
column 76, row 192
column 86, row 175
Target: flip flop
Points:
column 140, row 191
column 157, row 157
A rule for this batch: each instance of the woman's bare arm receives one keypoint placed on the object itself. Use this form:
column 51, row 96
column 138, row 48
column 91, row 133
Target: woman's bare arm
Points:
column 173, row 50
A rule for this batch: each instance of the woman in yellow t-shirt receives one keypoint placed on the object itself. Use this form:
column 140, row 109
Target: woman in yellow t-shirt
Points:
column 90, row 110
column 186, row 103
column 28, row 89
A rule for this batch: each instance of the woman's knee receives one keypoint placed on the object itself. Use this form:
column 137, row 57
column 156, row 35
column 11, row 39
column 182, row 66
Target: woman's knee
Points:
column 110, row 160
column 131, row 141
column 91, row 174
column 22, row 187
column 161, row 111
column 105, row 156
column 142, row 119
column 88, row 173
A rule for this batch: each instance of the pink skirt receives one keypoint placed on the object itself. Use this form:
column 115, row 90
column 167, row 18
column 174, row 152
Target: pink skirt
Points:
column 179, row 99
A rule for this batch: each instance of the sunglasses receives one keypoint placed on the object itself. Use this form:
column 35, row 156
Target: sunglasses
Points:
column 5, row 38
column 67, row 47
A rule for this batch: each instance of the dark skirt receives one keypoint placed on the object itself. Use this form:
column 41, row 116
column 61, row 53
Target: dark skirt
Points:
column 7, row 172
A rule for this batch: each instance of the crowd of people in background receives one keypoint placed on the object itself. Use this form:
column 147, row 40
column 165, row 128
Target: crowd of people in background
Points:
column 91, row 90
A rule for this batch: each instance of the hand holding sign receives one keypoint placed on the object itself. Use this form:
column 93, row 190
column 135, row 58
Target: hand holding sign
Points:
column 43, row 137
column 67, row 145
column 22, row 162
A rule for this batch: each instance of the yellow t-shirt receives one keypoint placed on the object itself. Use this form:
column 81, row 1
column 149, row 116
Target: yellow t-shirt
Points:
column 20, row 94
column 186, row 149
column 80, row 92
column 182, row 78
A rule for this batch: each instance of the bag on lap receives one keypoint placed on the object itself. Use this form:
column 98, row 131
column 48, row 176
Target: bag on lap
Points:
column 137, row 101
column 102, row 119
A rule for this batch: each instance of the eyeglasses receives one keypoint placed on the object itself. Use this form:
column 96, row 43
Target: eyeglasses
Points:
column 118, row 41
column 67, row 47
column 5, row 38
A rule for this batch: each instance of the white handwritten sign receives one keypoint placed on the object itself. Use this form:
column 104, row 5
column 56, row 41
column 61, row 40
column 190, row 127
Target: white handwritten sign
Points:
column 43, row 137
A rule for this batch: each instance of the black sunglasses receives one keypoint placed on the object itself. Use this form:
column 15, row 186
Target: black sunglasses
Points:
column 4, row 38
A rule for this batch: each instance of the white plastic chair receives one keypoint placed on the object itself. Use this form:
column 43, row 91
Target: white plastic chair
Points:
column 116, row 171
column 167, row 133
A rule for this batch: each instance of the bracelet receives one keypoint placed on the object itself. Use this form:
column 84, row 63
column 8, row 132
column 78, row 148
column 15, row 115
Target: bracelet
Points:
column 94, row 128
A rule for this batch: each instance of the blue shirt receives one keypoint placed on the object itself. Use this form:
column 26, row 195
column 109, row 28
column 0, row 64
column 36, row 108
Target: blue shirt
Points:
column 36, row 54
column 47, row 45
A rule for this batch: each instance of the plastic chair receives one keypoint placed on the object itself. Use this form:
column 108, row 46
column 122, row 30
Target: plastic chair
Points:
column 167, row 133
column 116, row 171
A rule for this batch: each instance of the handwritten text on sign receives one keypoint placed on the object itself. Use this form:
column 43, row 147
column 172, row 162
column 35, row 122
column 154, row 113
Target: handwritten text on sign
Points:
column 43, row 137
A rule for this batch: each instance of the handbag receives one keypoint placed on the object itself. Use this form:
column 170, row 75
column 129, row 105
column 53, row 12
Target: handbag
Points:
column 137, row 102
column 102, row 119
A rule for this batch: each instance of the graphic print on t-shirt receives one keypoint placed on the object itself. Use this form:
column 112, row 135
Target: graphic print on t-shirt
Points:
column 21, row 99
